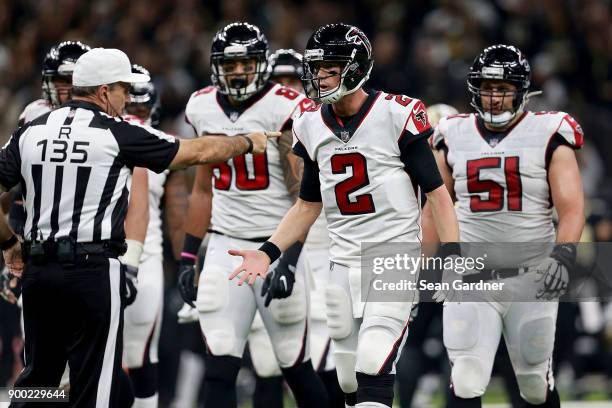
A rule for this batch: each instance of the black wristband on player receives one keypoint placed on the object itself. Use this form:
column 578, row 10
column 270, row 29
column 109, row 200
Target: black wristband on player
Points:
column 250, row 142
column 566, row 254
column 191, row 246
column 9, row 243
column 449, row 248
column 271, row 250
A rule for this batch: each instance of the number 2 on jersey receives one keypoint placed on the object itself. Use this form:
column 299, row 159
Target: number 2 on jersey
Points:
column 495, row 202
column 363, row 204
column 260, row 180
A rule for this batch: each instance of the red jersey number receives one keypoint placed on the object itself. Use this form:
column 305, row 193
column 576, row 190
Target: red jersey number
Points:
column 362, row 204
column 495, row 201
column 259, row 180
column 288, row 93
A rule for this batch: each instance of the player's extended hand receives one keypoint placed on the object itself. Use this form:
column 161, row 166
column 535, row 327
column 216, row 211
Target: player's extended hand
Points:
column 553, row 278
column 260, row 140
column 278, row 283
column 13, row 259
column 254, row 263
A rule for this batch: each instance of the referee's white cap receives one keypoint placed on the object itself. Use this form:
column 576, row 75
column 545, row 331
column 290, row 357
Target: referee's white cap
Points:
column 101, row 66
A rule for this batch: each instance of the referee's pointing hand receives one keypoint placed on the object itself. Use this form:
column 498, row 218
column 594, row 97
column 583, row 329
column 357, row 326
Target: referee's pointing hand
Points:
column 260, row 139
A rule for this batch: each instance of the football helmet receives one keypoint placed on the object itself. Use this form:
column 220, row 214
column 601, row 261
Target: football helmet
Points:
column 439, row 111
column 239, row 41
column 59, row 63
column 337, row 43
column 144, row 95
column 286, row 62
column 505, row 63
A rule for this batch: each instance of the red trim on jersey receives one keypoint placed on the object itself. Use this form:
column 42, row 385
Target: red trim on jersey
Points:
column 578, row 135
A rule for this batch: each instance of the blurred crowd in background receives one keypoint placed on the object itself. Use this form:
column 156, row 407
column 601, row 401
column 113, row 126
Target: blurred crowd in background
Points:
column 422, row 48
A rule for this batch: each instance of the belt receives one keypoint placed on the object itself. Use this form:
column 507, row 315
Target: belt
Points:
column 257, row 239
column 65, row 249
column 494, row 274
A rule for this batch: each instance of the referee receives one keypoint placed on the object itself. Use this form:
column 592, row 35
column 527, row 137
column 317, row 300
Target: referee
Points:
column 72, row 164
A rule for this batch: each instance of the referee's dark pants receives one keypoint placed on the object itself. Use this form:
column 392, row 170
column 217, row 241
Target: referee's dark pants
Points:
column 74, row 314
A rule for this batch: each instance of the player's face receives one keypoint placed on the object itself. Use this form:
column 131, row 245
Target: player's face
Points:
column 63, row 87
column 497, row 96
column 290, row 81
column 329, row 76
column 240, row 72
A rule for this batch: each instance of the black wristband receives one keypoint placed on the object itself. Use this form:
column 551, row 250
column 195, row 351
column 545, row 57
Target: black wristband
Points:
column 566, row 254
column 250, row 142
column 191, row 246
column 271, row 250
column 448, row 249
column 8, row 243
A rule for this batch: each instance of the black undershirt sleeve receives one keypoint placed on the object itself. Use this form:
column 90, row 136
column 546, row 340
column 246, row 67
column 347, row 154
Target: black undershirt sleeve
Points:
column 310, row 189
column 557, row 141
column 420, row 164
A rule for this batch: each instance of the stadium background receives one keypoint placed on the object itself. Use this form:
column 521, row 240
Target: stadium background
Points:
column 421, row 48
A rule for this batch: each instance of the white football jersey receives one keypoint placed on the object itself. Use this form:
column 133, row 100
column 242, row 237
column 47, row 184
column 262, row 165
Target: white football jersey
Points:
column 367, row 195
column 249, row 192
column 502, row 188
column 34, row 110
column 154, row 238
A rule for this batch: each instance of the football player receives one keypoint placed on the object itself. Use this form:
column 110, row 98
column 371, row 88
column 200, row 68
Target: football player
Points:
column 57, row 69
column 362, row 152
column 143, row 318
column 286, row 69
column 508, row 167
column 242, row 201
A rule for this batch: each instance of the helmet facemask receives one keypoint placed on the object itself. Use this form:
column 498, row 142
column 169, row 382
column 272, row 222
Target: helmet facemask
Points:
column 52, row 94
column 237, row 86
column 519, row 99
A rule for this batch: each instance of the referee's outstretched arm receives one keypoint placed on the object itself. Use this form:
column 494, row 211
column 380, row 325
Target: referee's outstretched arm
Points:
column 211, row 149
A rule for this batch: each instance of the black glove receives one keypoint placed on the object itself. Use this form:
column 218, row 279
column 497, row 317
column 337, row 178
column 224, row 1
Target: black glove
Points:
column 131, row 284
column 8, row 293
column 279, row 282
column 186, row 287
column 554, row 272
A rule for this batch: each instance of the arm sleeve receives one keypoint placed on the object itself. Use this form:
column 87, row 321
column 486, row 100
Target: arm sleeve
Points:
column 420, row 164
column 310, row 189
column 10, row 162
column 145, row 147
column 557, row 140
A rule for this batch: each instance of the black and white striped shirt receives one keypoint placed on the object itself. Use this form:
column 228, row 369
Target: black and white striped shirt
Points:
column 72, row 164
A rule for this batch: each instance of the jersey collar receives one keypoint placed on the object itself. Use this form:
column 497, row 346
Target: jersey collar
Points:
column 81, row 104
column 494, row 138
column 344, row 131
column 234, row 112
